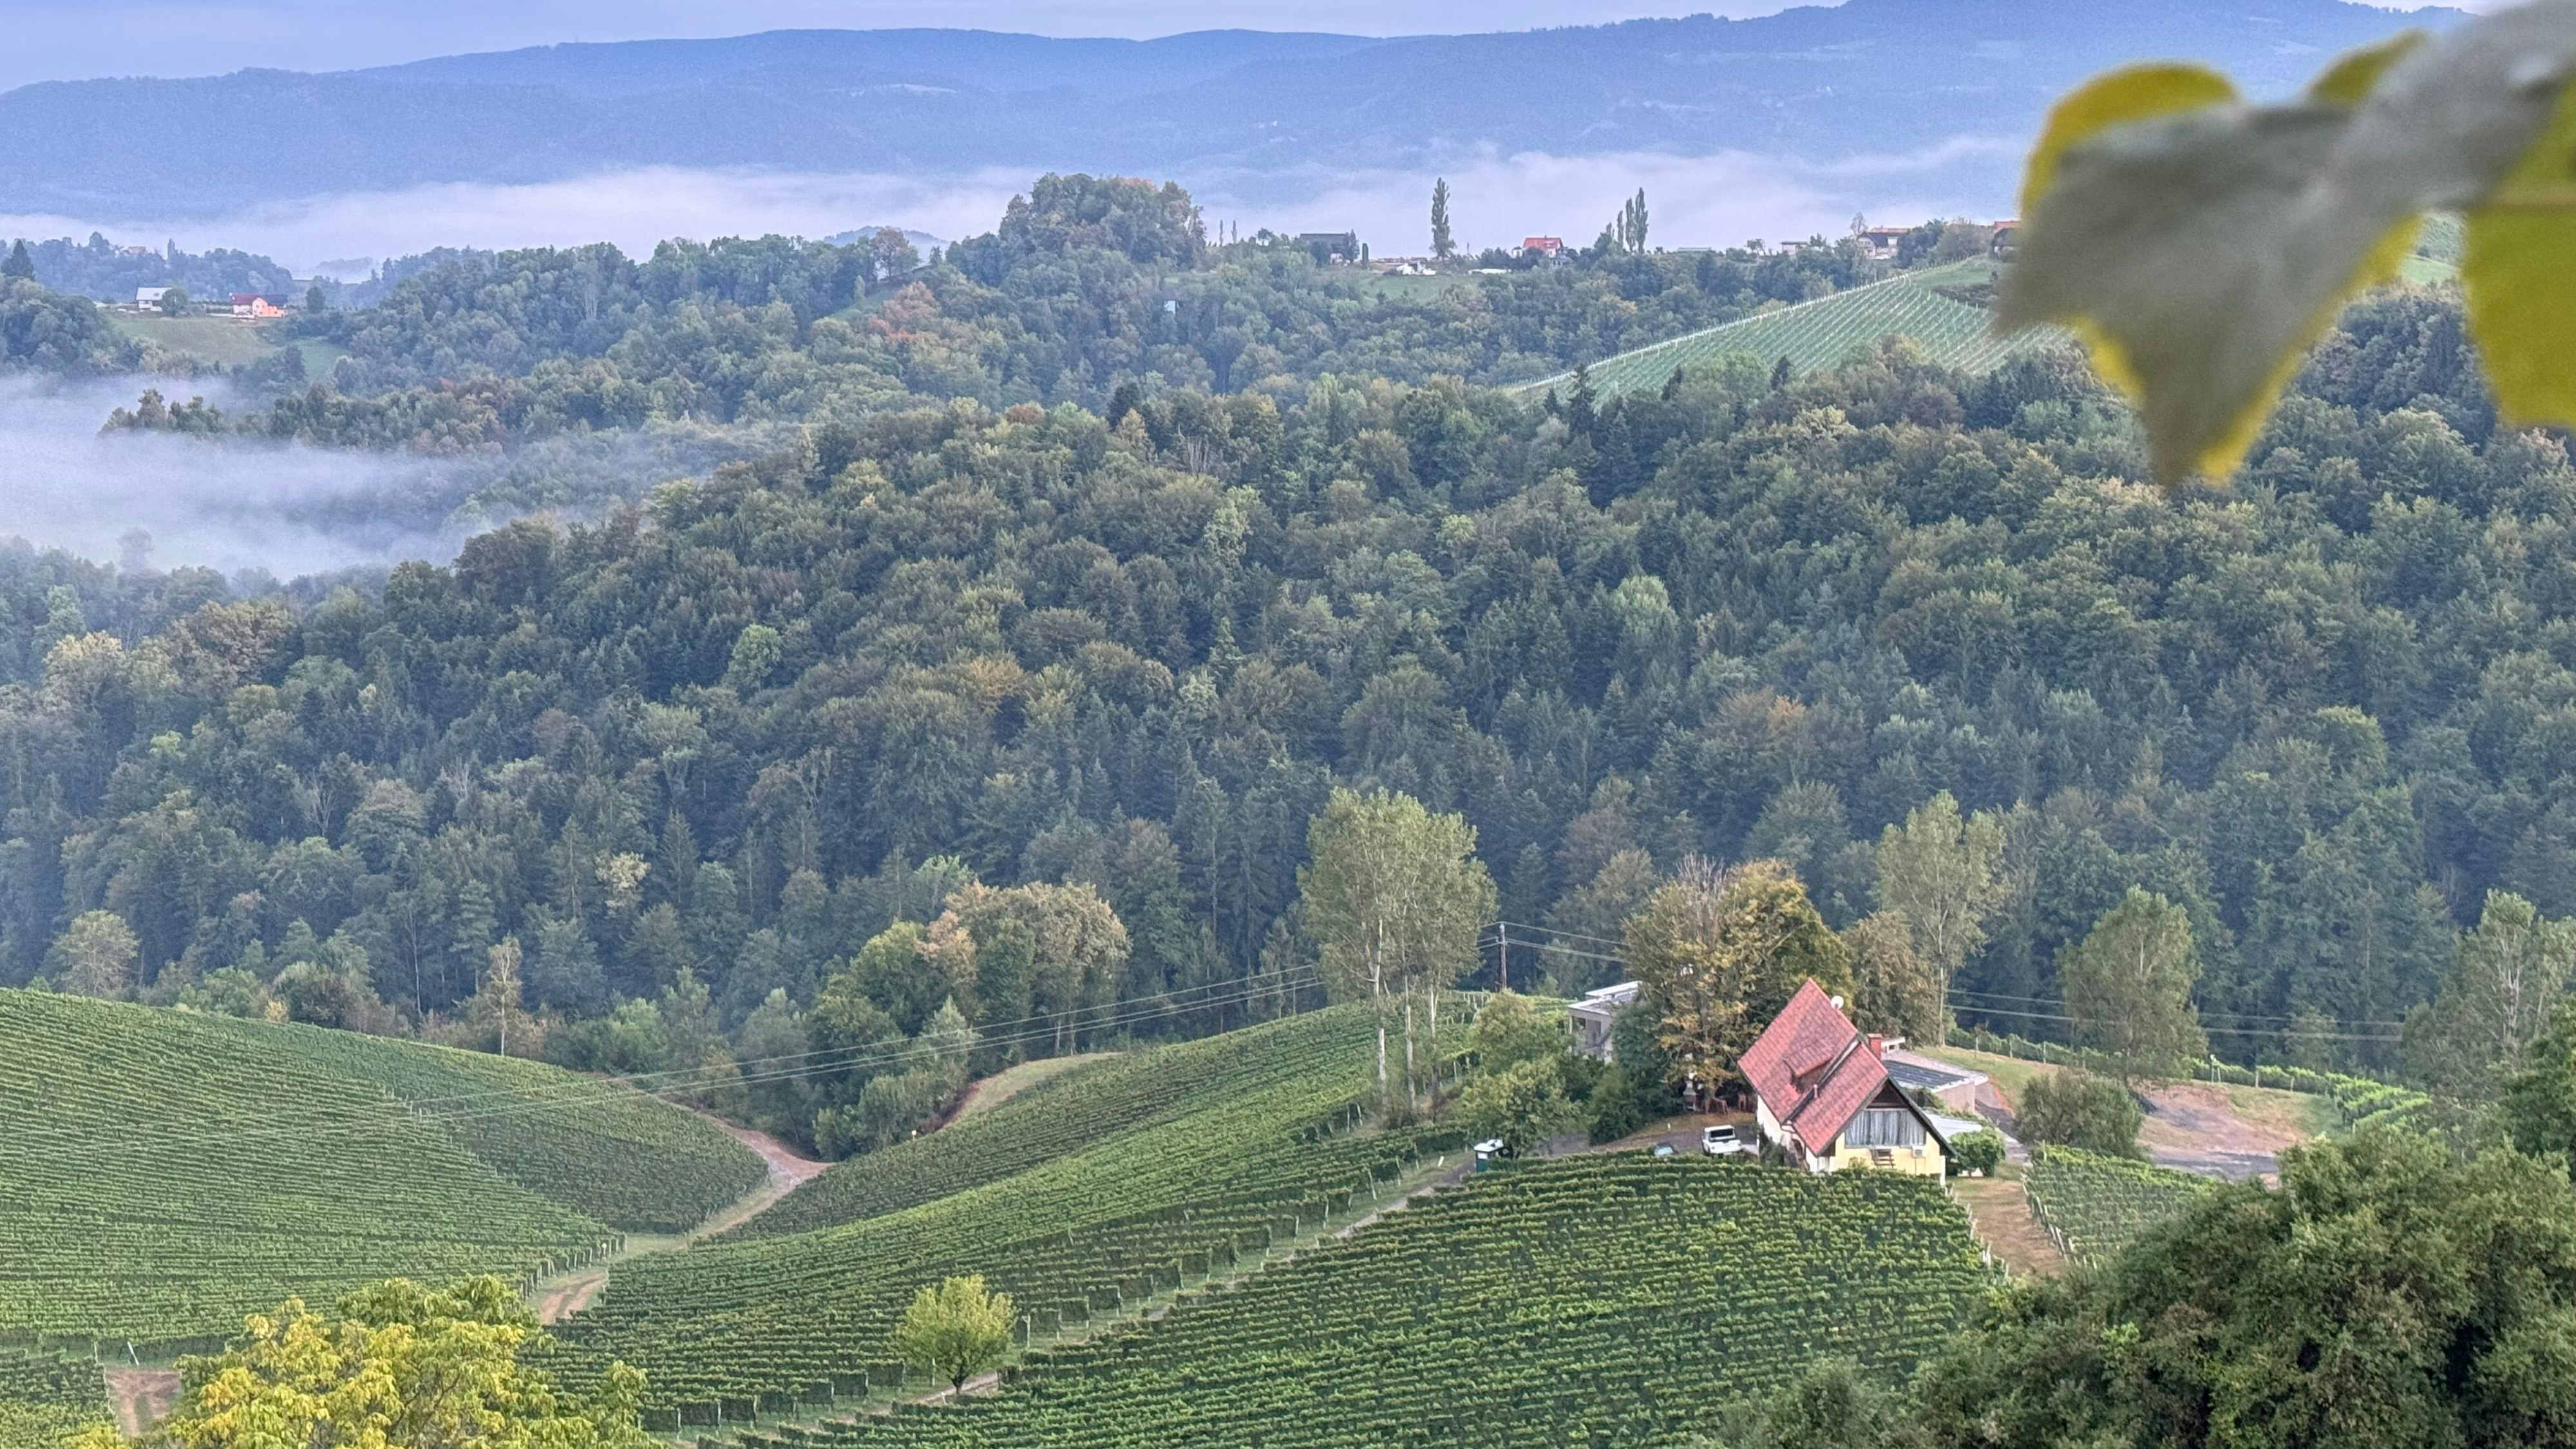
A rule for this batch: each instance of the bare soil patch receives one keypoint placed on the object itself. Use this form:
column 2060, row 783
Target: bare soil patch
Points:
column 990, row 1092
column 2000, row 1212
column 2202, row 1127
column 141, row 1397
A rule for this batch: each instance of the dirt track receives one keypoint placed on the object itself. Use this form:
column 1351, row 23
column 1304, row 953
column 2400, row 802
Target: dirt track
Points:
column 562, row 1297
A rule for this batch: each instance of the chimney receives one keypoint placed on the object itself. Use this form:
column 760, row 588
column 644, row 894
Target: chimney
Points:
column 1877, row 1045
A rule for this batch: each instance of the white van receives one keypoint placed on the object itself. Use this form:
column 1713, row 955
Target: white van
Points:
column 1721, row 1141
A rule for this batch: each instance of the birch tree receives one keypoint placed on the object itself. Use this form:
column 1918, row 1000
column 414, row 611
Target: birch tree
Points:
column 1394, row 898
column 2505, row 978
column 1943, row 875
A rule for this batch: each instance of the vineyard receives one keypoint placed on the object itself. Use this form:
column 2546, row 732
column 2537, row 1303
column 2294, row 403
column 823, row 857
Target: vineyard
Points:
column 1817, row 335
column 1611, row 1299
column 1052, row 1120
column 2094, row 1205
column 43, row 1398
column 167, row 1173
column 1265, row 1145
column 602, row 1149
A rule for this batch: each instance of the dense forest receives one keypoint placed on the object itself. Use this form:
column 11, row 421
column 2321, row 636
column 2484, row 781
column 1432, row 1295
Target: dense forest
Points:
column 694, row 754
column 1043, row 644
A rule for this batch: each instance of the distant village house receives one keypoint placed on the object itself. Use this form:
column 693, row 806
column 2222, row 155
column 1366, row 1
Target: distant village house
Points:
column 1542, row 248
column 254, row 304
column 148, row 298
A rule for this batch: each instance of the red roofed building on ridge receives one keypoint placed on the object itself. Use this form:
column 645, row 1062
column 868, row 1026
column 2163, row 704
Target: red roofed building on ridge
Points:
column 1824, row 1096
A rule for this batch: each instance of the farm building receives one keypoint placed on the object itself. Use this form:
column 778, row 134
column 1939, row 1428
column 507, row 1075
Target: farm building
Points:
column 148, row 298
column 1593, row 1016
column 254, row 304
column 1953, row 1087
column 1883, row 241
column 1825, row 1098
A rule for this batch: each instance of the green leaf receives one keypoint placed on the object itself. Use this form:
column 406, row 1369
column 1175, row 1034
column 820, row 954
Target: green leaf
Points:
column 2200, row 252
column 2520, row 273
column 2137, row 93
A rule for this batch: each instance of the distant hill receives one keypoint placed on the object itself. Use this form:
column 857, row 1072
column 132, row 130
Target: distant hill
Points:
column 1943, row 308
column 1872, row 77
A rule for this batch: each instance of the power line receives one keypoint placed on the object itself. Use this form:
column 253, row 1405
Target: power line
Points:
column 2204, row 1011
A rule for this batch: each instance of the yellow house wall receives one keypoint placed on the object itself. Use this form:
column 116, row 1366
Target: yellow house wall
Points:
column 1923, row 1161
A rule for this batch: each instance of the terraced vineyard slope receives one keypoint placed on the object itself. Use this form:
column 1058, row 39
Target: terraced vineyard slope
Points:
column 600, row 1148
column 1941, row 308
column 1051, row 1120
column 166, row 1173
column 2093, row 1205
column 1603, row 1300
column 43, row 1398
column 1264, row 1142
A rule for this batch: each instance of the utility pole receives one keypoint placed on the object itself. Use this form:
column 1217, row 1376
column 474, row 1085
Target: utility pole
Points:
column 1506, row 928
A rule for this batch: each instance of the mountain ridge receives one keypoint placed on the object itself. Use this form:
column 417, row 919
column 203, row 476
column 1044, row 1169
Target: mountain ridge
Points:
column 1868, row 78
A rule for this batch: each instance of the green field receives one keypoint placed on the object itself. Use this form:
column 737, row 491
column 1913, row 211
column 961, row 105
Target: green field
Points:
column 1072, row 1222
column 1953, row 329
column 2095, row 1205
column 167, row 1173
column 219, row 341
column 1616, row 1299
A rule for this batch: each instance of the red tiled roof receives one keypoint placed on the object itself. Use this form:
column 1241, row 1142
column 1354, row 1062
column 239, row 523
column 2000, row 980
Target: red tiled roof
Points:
column 1813, row 1068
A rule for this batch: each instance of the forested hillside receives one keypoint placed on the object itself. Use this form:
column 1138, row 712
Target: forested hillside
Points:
column 730, row 735
column 1085, row 284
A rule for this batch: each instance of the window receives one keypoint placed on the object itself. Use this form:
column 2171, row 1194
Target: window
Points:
column 1885, row 1127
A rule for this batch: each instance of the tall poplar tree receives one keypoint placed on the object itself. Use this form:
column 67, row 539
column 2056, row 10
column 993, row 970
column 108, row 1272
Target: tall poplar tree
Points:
column 1943, row 875
column 2128, row 983
column 1442, row 246
column 1395, row 898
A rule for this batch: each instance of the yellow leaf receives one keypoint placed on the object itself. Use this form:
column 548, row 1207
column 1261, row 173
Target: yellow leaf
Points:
column 2519, row 269
column 2350, row 80
column 2137, row 93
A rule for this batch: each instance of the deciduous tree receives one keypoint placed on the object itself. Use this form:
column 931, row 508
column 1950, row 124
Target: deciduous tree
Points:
column 2506, row 977
column 1943, row 875
column 1395, row 899
column 955, row 1330
column 2128, row 983
column 1719, row 953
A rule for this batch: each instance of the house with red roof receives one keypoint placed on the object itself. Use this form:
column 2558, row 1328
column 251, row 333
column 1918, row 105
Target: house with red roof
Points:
column 1824, row 1097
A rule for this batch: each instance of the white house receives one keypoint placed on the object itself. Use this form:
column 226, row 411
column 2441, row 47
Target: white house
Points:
column 1593, row 1016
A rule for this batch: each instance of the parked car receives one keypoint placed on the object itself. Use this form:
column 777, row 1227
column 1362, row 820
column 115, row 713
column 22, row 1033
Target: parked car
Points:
column 1722, row 1141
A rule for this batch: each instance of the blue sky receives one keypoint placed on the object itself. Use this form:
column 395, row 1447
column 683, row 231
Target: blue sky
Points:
column 69, row 39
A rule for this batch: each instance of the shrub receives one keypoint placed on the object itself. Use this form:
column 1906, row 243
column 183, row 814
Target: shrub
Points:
column 2078, row 1109
column 1978, row 1152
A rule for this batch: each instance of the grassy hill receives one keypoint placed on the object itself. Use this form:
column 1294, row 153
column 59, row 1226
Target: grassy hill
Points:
column 1943, row 308
column 1607, row 1299
column 169, row 1172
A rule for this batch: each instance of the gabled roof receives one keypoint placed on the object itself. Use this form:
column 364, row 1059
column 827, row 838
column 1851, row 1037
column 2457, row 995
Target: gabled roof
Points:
column 1814, row 1069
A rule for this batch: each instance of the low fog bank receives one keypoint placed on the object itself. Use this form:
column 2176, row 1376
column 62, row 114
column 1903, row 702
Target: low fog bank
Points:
column 286, row 510
column 1716, row 201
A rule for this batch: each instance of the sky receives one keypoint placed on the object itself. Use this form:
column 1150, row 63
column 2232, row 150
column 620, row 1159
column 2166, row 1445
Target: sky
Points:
column 64, row 40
